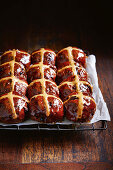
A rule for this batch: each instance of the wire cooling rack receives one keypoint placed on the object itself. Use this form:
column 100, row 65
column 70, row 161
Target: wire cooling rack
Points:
column 101, row 125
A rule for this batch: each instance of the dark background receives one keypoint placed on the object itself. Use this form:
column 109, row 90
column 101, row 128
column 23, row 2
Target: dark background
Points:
column 29, row 25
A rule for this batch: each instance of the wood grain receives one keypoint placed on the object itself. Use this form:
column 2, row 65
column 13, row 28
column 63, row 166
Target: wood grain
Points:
column 52, row 26
column 60, row 166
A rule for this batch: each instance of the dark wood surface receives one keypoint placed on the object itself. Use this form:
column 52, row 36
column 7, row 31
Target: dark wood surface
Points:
column 29, row 26
column 59, row 166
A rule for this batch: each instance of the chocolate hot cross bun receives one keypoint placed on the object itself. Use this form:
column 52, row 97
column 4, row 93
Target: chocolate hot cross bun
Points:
column 13, row 85
column 45, row 104
column 75, row 90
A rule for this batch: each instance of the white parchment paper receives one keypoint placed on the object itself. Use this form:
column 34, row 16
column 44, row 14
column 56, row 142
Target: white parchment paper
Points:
column 101, row 113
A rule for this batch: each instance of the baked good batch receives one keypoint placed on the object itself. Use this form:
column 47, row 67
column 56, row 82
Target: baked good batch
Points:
column 13, row 86
column 75, row 90
column 48, row 98
column 45, row 104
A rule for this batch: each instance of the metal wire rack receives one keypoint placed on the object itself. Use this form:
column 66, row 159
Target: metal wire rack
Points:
column 101, row 125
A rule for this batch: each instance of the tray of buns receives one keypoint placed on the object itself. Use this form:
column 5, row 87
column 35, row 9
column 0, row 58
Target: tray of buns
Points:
column 45, row 90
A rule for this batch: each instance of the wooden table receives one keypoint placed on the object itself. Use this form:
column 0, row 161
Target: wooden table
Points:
column 30, row 30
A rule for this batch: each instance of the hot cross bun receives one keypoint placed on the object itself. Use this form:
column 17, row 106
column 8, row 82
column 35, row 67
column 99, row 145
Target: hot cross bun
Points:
column 75, row 89
column 13, row 86
column 45, row 104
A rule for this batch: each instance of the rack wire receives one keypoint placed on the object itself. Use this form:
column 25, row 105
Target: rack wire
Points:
column 57, row 127
column 101, row 125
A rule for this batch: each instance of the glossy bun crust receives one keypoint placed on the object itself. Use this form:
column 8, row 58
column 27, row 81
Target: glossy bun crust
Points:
column 75, row 89
column 45, row 96
column 45, row 104
column 13, row 86
column 79, row 57
column 71, row 107
column 20, row 57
